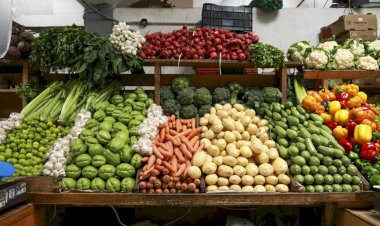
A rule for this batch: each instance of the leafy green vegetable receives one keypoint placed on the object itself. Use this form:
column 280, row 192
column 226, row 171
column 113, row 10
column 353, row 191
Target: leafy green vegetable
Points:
column 265, row 55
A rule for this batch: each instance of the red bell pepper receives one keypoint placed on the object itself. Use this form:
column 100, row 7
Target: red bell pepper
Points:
column 364, row 106
column 351, row 139
column 331, row 124
column 368, row 151
column 343, row 96
column 350, row 126
column 347, row 145
column 343, row 104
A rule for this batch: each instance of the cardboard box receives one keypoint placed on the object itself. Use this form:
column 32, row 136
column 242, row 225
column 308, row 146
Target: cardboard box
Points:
column 356, row 22
column 181, row 3
column 369, row 35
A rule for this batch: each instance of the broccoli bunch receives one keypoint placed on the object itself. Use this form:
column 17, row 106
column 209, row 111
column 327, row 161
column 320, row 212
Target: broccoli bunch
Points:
column 179, row 83
column 166, row 94
column 186, row 96
column 221, row 95
column 202, row 96
column 271, row 94
column 204, row 109
column 253, row 97
column 188, row 111
column 171, row 107
column 235, row 89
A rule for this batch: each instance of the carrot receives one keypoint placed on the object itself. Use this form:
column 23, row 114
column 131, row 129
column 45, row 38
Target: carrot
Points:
column 184, row 133
column 149, row 185
column 145, row 159
column 148, row 170
column 143, row 191
column 189, row 180
column 166, row 179
column 176, row 179
column 172, row 118
column 179, row 191
column 188, row 163
column 184, row 121
column 197, row 182
column 165, row 171
column 186, row 153
column 172, row 190
column 187, row 143
column 184, row 128
column 193, row 123
column 196, row 191
column 166, row 154
column 144, row 168
column 178, row 185
column 171, row 184
column 156, row 152
column 167, row 165
column 144, row 176
column 196, row 145
column 158, row 190
column 194, row 133
column 142, row 185
column 162, row 134
column 192, row 187
column 178, row 125
column 151, row 191
column 166, row 190
column 155, row 172
column 184, row 186
column 157, row 183
column 179, row 155
column 170, row 147
column 159, row 161
column 159, row 168
column 173, row 132
column 200, row 148
column 184, row 175
column 193, row 140
column 170, row 125
column 174, row 163
column 174, row 141
column 180, row 170
column 164, row 185
column 167, row 128
column 163, row 146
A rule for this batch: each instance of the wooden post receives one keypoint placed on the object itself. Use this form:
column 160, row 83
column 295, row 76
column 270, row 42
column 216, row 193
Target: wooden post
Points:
column 325, row 83
column 25, row 77
column 284, row 82
column 329, row 211
column 157, row 82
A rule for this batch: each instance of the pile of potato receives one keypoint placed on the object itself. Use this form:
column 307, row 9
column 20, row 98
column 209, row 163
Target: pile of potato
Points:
column 238, row 154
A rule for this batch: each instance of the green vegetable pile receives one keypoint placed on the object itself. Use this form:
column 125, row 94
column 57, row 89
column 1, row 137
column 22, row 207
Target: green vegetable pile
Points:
column 102, row 158
column 25, row 146
column 91, row 56
column 316, row 160
column 265, row 56
column 267, row 5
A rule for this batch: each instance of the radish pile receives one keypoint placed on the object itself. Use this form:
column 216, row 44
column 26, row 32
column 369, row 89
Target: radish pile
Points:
column 202, row 43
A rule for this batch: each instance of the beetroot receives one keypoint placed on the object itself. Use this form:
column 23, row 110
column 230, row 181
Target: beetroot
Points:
column 23, row 46
column 14, row 40
column 27, row 36
column 13, row 53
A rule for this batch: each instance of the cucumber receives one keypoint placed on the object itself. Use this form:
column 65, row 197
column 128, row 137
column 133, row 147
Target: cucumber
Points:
column 318, row 124
column 324, row 141
column 273, row 136
column 292, row 134
column 276, row 116
column 276, row 107
column 300, row 139
column 301, row 146
column 338, row 154
column 295, row 128
column 281, row 124
column 316, row 141
column 288, row 104
column 295, row 113
column 327, row 135
column 301, row 110
column 299, row 160
column 326, row 151
column 304, row 133
column 281, row 133
column 293, row 151
column 268, row 113
column 335, row 144
column 293, row 121
column 283, row 142
column 326, row 128
column 284, row 114
column 313, row 129
column 316, row 118
column 283, row 152
column 310, row 146
column 283, row 120
column 288, row 111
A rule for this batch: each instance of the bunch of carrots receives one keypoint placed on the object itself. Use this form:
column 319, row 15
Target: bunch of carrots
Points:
column 165, row 170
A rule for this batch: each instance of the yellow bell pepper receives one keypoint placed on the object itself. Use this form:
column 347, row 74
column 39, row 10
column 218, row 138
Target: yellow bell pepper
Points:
column 334, row 106
column 362, row 133
column 352, row 90
column 354, row 102
column 339, row 132
column 326, row 117
column 342, row 117
column 362, row 96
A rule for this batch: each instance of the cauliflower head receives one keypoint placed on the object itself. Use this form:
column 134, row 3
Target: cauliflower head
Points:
column 374, row 45
column 367, row 63
column 328, row 46
column 316, row 58
column 342, row 59
column 356, row 47
column 297, row 50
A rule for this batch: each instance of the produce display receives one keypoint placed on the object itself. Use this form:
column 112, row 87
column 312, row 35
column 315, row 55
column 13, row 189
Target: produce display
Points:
column 168, row 169
column 238, row 153
column 20, row 45
column 328, row 55
column 101, row 158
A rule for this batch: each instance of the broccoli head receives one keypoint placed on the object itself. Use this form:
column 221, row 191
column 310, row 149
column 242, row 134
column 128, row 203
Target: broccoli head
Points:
column 235, row 89
column 166, row 94
column 221, row 95
column 179, row 84
column 253, row 97
column 186, row 96
column 188, row 111
column 204, row 109
column 271, row 94
column 171, row 107
column 202, row 96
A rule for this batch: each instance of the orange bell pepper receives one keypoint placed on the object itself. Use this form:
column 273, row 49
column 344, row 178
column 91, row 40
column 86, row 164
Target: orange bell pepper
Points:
column 323, row 94
column 319, row 108
column 370, row 123
column 331, row 95
column 352, row 90
column 354, row 102
column 309, row 102
column 363, row 96
column 340, row 133
column 326, row 117
column 358, row 114
column 317, row 97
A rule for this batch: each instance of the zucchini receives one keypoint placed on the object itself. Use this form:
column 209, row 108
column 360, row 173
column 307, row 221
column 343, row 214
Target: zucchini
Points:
column 301, row 110
column 291, row 134
column 310, row 146
column 326, row 128
column 283, row 142
column 281, row 133
column 304, row 133
column 281, row 124
column 316, row 118
column 276, row 116
column 316, row 141
column 283, row 152
column 293, row 121
column 326, row 151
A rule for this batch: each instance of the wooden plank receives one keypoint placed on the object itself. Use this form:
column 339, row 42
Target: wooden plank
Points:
column 293, row 64
column 340, row 74
column 157, row 82
column 198, row 63
column 7, row 62
column 211, row 199
column 24, row 215
column 8, row 90
column 284, row 83
column 9, row 102
column 25, row 77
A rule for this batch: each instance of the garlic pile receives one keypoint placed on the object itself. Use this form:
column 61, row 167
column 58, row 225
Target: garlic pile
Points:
column 149, row 128
column 125, row 40
column 56, row 163
column 9, row 124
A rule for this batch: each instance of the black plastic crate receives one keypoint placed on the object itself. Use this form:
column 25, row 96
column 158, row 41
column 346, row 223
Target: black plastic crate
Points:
column 237, row 18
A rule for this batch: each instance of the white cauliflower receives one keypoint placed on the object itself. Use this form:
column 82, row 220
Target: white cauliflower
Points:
column 328, row 46
column 356, row 46
column 126, row 40
column 374, row 45
column 297, row 50
column 316, row 58
column 367, row 63
column 342, row 59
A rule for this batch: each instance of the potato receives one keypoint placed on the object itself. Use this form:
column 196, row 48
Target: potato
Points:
column 220, row 135
column 223, row 188
column 241, row 143
column 256, row 147
column 217, row 128
column 218, row 107
column 245, row 120
column 221, row 143
column 270, row 188
column 234, row 179
column 229, row 136
column 236, row 116
column 246, row 151
column 270, row 143
column 266, row 169
column 225, row 171
column 228, row 124
column 247, row 180
column 265, row 149
column 213, row 119
column 272, row 153
column 194, row 172
column 247, row 188
column 232, row 150
column 232, row 111
column 246, row 136
column 214, row 141
column 273, row 180
column 259, row 188
column 209, row 134
column 227, row 107
column 237, row 135
column 262, row 123
column 261, row 131
column 208, row 158
column 206, row 116
column 209, row 168
column 252, row 169
column 222, row 113
column 199, row 158
column 283, row 179
column 262, row 158
column 211, row 179
column 282, row 188
column 255, row 120
column 218, row 160
column 206, row 141
column 264, row 137
column 242, row 161
column 211, row 188
column 223, row 153
column 239, row 107
column 222, row 181
column 250, row 112
column 235, row 187
column 229, row 160
column 203, row 121
column 280, row 166
column 213, row 150
column 239, row 170
column 259, row 180
column 252, row 129
column 239, row 127
column 204, row 129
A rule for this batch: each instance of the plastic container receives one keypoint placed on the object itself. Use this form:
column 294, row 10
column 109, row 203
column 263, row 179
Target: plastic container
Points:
column 238, row 19
column 5, row 26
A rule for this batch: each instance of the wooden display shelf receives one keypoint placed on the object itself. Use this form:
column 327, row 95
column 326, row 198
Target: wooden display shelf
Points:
column 197, row 63
column 8, row 90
